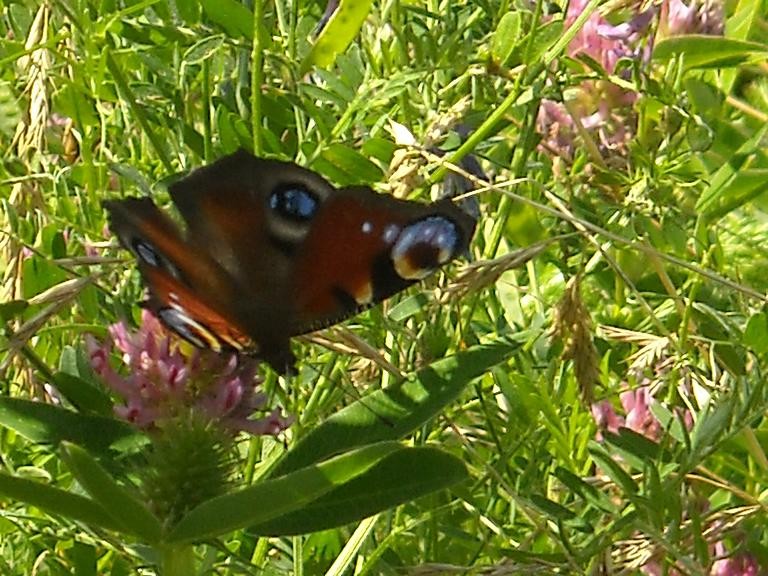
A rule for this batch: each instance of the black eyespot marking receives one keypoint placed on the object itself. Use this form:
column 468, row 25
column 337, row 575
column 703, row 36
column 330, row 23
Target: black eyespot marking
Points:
column 294, row 203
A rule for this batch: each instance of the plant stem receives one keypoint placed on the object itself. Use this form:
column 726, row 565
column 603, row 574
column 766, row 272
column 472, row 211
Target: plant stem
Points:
column 177, row 560
column 257, row 74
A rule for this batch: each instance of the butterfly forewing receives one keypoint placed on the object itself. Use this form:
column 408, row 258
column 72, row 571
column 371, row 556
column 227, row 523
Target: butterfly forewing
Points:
column 155, row 240
column 191, row 317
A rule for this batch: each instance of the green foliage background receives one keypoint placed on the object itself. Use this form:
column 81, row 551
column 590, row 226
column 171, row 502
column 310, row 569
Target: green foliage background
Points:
column 638, row 267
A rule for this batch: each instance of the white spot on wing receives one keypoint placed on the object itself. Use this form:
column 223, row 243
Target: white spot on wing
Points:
column 390, row 233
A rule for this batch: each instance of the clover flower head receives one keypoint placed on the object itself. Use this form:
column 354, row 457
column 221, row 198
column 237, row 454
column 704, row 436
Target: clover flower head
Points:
column 164, row 382
column 698, row 17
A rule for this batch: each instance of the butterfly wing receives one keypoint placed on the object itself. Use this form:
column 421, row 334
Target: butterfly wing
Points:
column 253, row 215
column 180, row 280
column 183, row 311
column 364, row 247
column 272, row 250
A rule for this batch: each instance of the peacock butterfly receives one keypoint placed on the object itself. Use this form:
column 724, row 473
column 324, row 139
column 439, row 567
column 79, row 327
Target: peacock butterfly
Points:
column 272, row 250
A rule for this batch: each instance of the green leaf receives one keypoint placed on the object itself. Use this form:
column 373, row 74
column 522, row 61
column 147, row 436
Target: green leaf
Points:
column 544, row 38
column 586, row 490
column 756, row 333
column 268, row 500
column 742, row 187
column 670, row 421
column 83, row 559
column 612, row 468
column 232, row 130
column 338, row 33
column 126, row 509
column 39, row 275
column 408, row 307
column 735, row 181
column 634, row 444
column 189, row 10
column 9, row 310
column 83, row 395
column 702, row 51
column 523, row 226
column 400, row 477
column 203, row 49
column 699, row 135
column 382, row 149
column 10, row 109
column 139, row 112
column 133, row 175
column 391, row 414
column 744, row 16
column 44, row 423
column 56, row 502
column 234, row 18
column 505, row 37
column 708, row 428
column 58, row 245
column 357, row 169
column 552, row 508
column 72, row 100
column 78, row 383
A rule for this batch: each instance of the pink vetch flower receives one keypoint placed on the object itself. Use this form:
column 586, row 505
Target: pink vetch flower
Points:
column 742, row 564
column 163, row 382
column 638, row 417
column 606, row 418
column 90, row 250
column 604, row 42
column 598, row 106
column 637, row 405
column 698, row 17
column 601, row 107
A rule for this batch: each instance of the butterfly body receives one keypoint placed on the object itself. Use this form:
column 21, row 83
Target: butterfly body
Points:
column 272, row 250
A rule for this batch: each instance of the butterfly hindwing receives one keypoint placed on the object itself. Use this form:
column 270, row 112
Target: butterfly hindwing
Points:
column 382, row 245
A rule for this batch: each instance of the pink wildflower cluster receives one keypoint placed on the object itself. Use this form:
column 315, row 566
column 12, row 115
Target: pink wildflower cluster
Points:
column 698, row 17
column 636, row 406
column 638, row 417
column 604, row 43
column 737, row 565
column 163, row 382
column 601, row 107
